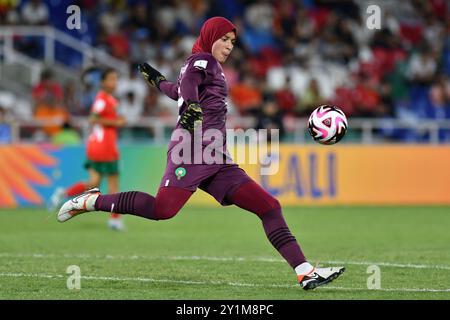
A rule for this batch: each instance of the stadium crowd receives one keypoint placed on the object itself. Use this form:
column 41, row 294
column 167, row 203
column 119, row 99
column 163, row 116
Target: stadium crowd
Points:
column 291, row 55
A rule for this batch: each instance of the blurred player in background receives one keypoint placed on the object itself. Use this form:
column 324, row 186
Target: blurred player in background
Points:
column 102, row 151
column 201, row 92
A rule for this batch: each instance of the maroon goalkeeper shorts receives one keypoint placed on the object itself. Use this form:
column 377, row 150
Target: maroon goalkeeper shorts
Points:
column 218, row 180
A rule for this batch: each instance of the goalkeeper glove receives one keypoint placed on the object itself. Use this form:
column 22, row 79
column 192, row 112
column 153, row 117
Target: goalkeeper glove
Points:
column 192, row 117
column 153, row 76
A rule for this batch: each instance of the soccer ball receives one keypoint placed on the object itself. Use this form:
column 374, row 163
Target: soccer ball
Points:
column 327, row 124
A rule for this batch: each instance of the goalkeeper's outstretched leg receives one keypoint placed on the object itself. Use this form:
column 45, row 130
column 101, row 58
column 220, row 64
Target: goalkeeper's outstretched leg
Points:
column 252, row 197
column 165, row 205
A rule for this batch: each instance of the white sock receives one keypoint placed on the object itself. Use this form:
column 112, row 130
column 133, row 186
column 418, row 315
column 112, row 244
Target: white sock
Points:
column 304, row 268
column 90, row 202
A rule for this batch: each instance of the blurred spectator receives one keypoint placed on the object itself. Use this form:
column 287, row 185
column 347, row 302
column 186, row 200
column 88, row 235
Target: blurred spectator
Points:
column 231, row 73
column 440, row 97
column 131, row 92
column 258, row 31
column 304, row 44
column 119, row 45
column 398, row 82
column 266, row 58
column 386, row 107
column 434, row 33
column 90, row 80
column 47, row 91
column 285, row 98
column 141, row 49
column 35, row 12
column 310, row 99
column 111, row 20
column 347, row 9
column 8, row 12
column 129, row 108
column 246, row 95
column 285, row 22
column 153, row 108
column 53, row 114
column 72, row 99
column 5, row 127
column 439, row 8
column 337, row 43
column 361, row 34
column 48, row 104
column 298, row 40
column 139, row 17
column 17, row 107
column 349, row 48
column 384, row 39
column 190, row 15
column 367, row 98
column 270, row 117
column 5, row 115
column 422, row 66
column 111, row 34
column 259, row 15
column 344, row 99
column 66, row 136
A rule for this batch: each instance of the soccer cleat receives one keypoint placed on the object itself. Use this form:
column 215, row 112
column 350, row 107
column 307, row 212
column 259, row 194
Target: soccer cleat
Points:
column 116, row 224
column 78, row 205
column 56, row 199
column 319, row 277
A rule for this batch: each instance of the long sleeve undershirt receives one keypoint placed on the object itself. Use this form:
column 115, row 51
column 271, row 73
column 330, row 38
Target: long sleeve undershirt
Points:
column 169, row 89
column 188, row 86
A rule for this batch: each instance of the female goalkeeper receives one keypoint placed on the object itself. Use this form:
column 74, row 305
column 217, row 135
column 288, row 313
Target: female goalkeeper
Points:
column 201, row 90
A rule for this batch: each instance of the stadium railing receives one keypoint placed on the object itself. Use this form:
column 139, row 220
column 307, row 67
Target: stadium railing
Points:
column 21, row 68
column 361, row 130
column 51, row 36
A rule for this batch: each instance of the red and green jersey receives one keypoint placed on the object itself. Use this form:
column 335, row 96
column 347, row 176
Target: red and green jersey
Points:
column 102, row 141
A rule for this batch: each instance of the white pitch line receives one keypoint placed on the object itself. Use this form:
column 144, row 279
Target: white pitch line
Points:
column 233, row 284
column 212, row 258
column 364, row 263
column 390, row 264
column 390, row 289
column 139, row 279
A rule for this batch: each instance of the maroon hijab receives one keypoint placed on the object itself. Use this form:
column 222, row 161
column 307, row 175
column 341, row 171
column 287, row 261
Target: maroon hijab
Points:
column 212, row 30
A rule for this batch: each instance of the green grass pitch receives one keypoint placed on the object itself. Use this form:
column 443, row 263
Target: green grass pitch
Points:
column 222, row 253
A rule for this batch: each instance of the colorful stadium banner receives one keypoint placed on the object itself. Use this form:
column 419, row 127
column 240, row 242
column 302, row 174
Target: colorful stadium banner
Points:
column 21, row 170
column 307, row 175
column 361, row 175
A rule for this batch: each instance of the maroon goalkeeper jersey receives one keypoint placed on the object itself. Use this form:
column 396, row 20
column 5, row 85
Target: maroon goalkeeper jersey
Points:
column 202, row 80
